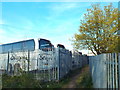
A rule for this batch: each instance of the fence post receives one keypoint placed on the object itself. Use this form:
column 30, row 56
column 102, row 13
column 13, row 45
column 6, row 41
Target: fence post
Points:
column 58, row 62
column 119, row 69
column 113, row 81
column 8, row 63
column 110, row 70
column 28, row 59
column 116, row 70
column 107, row 68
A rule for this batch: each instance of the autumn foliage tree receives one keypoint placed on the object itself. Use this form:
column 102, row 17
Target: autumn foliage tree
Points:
column 97, row 29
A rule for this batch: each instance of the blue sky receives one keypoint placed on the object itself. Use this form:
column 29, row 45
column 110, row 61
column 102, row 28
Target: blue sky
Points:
column 56, row 21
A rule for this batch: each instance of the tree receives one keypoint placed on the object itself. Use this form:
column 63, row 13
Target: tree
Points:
column 97, row 29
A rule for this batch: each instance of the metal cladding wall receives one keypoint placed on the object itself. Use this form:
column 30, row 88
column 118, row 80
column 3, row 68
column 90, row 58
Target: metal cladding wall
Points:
column 98, row 70
column 18, row 46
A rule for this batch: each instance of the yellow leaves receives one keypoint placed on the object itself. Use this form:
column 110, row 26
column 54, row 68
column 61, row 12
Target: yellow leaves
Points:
column 113, row 30
column 88, row 9
column 83, row 35
column 86, row 29
column 77, row 37
column 90, row 21
column 80, row 37
column 81, row 29
column 97, row 28
column 84, row 24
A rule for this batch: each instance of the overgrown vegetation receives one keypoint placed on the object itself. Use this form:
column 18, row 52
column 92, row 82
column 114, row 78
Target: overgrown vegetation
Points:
column 22, row 81
column 28, row 81
column 85, row 80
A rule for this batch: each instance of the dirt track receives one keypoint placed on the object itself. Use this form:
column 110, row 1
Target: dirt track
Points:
column 73, row 81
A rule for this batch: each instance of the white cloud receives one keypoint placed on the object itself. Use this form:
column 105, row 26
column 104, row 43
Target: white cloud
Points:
column 61, row 7
column 57, row 9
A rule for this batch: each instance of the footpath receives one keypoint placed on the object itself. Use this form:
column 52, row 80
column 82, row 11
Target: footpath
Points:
column 81, row 80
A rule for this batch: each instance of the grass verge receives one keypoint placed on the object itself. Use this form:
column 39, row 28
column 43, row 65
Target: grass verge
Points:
column 27, row 81
column 85, row 80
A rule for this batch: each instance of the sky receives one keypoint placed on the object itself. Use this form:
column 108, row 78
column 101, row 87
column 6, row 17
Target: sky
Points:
column 55, row 21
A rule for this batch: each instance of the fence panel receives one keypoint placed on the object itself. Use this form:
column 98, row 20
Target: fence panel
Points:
column 45, row 65
column 79, row 60
column 105, row 70
column 119, row 71
column 3, row 63
column 112, row 70
column 65, row 59
column 18, row 60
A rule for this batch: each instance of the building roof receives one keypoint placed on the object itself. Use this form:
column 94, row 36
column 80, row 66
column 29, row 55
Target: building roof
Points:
column 18, row 42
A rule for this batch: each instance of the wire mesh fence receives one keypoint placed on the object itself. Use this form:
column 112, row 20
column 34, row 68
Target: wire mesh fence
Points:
column 78, row 60
column 50, row 65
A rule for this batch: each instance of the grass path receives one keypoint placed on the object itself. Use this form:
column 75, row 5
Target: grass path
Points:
column 73, row 82
column 77, row 80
